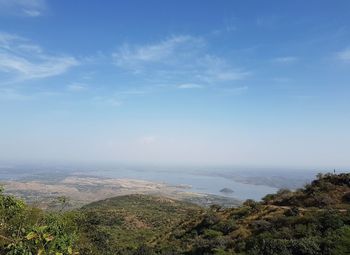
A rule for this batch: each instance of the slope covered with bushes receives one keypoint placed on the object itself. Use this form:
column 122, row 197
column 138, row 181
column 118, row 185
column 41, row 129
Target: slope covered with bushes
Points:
column 314, row 220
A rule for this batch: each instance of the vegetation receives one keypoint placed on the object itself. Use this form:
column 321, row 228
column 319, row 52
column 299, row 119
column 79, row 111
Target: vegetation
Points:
column 130, row 224
column 309, row 221
column 25, row 230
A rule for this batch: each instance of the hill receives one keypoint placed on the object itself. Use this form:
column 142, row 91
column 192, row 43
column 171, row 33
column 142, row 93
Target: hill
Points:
column 312, row 220
column 327, row 190
column 128, row 223
column 309, row 221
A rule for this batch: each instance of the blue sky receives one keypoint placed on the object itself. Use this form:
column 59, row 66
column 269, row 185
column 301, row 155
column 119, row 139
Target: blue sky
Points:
column 260, row 83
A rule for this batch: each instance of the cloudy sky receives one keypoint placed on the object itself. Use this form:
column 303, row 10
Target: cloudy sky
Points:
column 260, row 83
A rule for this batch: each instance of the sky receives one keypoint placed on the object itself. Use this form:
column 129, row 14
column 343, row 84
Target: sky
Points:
column 241, row 83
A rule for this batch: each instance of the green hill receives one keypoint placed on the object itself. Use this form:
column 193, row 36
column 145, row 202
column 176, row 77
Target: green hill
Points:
column 327, row 190
column 312, row 220
column 309, row 221
column 128, row 223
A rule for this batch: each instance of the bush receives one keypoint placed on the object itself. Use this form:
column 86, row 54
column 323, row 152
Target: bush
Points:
column 26, row 231
column 342, row 242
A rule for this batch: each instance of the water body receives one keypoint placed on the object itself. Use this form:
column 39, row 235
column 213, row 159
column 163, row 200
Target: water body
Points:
column 198, row 182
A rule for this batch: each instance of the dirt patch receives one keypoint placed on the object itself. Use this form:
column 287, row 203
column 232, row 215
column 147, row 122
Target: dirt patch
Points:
column 133, row 222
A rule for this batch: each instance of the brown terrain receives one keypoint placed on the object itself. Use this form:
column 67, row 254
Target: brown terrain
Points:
column 80, row 190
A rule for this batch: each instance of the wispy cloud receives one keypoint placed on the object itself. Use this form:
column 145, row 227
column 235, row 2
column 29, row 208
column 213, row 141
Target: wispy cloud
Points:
column 77, row 87
column 344, row 55
column 214, row 69
column 179, row 59
column 285, row 60
column 131, row 92
column 136, row 56
column 28, row 8
column 20, row 59
column 118, row 97
column 189, row 86
column 236, row 90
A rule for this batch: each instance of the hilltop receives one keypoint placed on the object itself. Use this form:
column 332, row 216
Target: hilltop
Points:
column 309, row 221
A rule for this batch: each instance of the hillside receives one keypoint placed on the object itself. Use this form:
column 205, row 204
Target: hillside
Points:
column 131, row 222
column 327, row 190
column 309, row 221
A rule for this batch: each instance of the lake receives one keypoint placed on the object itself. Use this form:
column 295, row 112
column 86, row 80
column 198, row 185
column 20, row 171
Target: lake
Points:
column 199, row 182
